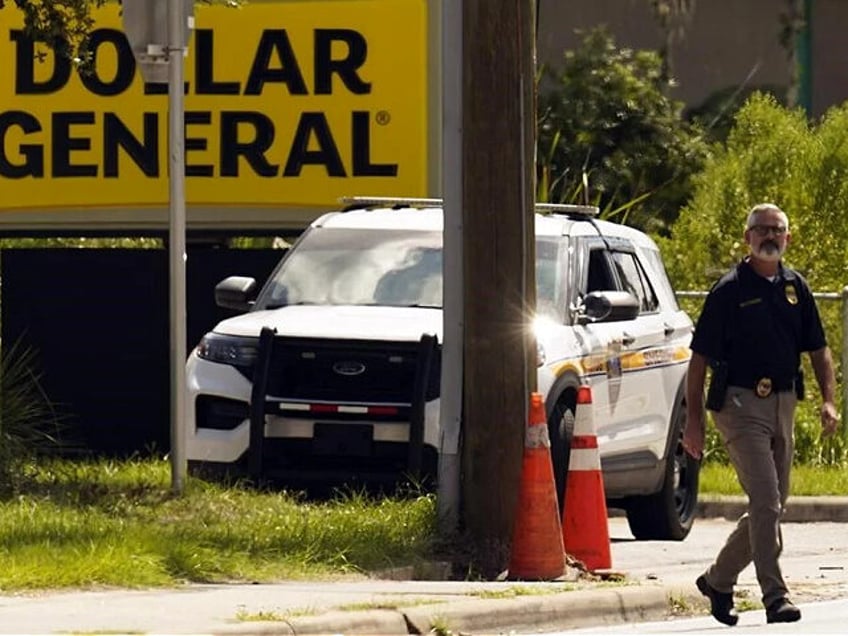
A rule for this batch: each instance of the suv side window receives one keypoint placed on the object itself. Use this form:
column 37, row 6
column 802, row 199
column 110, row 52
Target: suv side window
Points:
column 600, row 276
column 634, row 280
column 654, row 264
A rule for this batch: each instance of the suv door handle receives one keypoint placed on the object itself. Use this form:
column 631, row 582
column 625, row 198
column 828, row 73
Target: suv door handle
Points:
column 668, row 330
column 627, row 339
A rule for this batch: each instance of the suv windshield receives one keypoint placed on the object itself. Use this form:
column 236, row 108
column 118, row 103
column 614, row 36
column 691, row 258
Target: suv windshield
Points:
column 400, row 268
column 332, row 266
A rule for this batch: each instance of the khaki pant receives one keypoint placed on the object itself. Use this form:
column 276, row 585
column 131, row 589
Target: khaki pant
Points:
column 759, row 434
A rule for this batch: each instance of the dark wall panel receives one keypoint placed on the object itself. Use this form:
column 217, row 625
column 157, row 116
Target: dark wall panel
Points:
column 99, row 323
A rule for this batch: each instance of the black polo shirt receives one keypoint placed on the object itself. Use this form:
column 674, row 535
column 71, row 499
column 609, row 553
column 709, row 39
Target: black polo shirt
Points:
column 759, row 327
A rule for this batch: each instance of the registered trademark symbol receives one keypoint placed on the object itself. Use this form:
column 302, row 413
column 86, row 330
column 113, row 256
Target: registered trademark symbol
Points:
column 382, row 117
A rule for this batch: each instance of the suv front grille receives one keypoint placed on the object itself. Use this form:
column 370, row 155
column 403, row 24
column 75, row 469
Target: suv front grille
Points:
column 348, row 370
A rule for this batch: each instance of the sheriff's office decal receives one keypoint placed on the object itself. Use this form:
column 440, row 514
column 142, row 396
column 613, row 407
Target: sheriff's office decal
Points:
column 290, row 103
column 613, row 363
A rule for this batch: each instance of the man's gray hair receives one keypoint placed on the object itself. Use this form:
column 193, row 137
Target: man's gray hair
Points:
column 764, row 207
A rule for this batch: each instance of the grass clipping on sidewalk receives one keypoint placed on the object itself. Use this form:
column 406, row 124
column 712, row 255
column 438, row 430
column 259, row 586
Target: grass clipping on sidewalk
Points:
column 116, row 523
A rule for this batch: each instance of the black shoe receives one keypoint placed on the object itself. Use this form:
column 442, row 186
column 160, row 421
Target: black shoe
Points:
column 721, row 603
column 782, row 611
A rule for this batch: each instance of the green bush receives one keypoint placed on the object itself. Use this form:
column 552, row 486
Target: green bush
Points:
column 604, row 117
column 774, row 154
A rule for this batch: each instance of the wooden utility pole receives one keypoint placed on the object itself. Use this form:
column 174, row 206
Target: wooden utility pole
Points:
column 498, row 142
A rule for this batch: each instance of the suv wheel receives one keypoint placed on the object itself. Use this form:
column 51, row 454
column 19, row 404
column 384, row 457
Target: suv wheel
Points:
column 560, row 431
column 668, row 514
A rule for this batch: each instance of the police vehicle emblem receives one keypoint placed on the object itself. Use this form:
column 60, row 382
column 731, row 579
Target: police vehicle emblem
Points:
column 764, row 387
column 791, row 296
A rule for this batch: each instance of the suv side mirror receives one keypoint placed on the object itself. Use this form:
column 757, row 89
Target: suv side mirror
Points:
column 608, row 306
column 236, row 292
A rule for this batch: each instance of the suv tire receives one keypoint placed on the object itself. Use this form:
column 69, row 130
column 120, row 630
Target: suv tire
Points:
column 668, row 514
column 560, row 432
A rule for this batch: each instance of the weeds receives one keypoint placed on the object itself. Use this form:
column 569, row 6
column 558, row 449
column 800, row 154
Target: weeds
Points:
column 28, row 421
column 679, row 605
column 439, row 627
column 271, row 616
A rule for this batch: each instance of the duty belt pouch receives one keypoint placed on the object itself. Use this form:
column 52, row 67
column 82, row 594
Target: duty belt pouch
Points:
column 799, row 384
column 718, row 386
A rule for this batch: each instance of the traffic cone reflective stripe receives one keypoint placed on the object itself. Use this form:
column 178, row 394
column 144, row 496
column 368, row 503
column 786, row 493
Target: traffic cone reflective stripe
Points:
column 537, row 551
column 584, row 519
column 584, row 441
column 582, row 461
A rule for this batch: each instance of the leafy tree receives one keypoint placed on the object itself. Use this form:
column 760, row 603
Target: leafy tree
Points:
column 792, row 24
column 717, row 113
column 64, row 25
column 609, row 135
column 672, row 17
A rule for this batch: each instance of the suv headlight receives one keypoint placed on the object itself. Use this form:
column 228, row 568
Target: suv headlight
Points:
column 237, row 351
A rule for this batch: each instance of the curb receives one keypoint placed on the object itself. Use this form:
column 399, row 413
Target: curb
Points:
column 556, row 612
column 798, row 509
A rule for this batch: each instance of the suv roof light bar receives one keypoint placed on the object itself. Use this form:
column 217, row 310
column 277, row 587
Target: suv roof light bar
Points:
column 355, row 203
column 568, row 209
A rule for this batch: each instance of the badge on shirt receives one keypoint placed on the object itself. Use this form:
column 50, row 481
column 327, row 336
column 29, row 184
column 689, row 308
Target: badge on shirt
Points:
column 791, row 296
column 764, row 387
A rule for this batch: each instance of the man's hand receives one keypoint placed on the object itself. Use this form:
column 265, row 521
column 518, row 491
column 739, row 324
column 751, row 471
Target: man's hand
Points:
column 829, row 419
column 823, row 368
column 693, row 438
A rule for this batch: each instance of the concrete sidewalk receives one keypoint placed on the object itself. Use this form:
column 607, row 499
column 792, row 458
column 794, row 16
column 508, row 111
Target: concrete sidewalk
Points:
column 370, row 606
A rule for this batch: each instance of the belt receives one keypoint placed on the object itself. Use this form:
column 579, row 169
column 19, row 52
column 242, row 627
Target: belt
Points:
column 764, row 385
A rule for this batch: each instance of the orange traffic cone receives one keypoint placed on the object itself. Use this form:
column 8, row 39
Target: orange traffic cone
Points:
column 584, row 518
column 537, row 549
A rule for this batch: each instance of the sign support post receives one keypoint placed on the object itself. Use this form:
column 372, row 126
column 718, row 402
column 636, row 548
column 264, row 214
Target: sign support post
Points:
column 158, row 32
column 177, row 48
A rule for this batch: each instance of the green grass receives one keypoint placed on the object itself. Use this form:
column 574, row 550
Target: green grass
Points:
column 107, row 523
column 93, row 524
column 719, row 479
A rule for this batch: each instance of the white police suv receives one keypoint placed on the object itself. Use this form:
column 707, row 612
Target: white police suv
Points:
column 333, row 370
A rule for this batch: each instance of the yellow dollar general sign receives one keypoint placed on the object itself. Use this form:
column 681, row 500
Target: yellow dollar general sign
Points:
column 287, row 104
